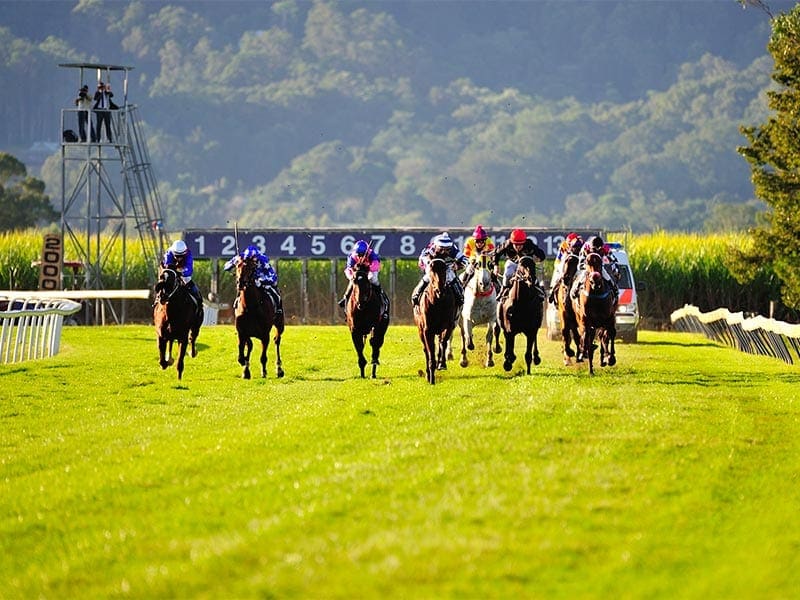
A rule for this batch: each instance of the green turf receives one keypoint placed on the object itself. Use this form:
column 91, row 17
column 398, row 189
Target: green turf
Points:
column 672, row 474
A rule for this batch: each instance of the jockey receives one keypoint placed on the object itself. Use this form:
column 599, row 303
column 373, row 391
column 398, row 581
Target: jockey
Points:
column 570, row 246
column 441, row 246
column 363, row 253
column 179, row 257
column 516, row 246
column 266, row 277
column 478, row 244
column 596, row 245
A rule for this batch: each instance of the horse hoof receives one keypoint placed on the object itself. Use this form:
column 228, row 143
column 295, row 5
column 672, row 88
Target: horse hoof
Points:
column 612, row 361
column 570, row 352
column 507, row 366
column 464, row 362
column 537, row 360
column 470, row 346
column 246, row 375
column 280, row 373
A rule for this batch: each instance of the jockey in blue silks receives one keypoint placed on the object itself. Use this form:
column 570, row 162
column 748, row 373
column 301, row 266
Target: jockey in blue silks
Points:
column 265, row 275
column 179, row 257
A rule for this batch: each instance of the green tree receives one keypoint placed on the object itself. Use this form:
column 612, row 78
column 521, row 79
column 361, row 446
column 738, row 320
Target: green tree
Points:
column 774, row 157
column 23, row 202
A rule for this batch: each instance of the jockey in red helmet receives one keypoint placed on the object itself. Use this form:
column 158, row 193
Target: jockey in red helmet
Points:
column 517, row 245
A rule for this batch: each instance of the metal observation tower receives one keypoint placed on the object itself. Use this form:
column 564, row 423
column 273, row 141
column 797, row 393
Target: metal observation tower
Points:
column 108, row 190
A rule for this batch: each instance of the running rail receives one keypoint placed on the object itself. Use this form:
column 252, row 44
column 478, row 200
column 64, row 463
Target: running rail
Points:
column 754, row 335
column 30, row 328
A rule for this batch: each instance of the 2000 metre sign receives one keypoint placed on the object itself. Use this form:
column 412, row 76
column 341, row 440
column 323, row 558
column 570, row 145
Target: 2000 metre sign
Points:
column 285, row 243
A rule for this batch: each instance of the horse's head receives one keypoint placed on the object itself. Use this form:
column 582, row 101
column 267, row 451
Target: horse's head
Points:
column 594, row 280
column 526, row 270
column 362, row 286
column 245, row 273
column 168, row 282
column 437, row 271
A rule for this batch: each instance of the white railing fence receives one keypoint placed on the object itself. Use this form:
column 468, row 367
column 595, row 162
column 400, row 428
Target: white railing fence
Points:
column 754, row 335
column 30, row 328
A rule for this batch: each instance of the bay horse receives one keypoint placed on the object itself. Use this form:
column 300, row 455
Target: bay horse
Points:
column 566, row 312
column 365, row 317
column 254, row 317
column 176, row 318
column 595, row 310
column 521, row 312
column 480, row 306
column 435, row 318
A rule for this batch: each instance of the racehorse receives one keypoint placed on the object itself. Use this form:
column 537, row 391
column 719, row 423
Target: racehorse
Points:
column 436, row 318
column 365, row 317
column 176, row 317
column 566, row 313
column 254, row 316
column 595, row 309
column 521, row 312
column 480, row 306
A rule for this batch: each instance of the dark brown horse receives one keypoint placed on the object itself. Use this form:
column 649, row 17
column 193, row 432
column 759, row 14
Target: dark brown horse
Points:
column 436, row 318
column 566, row 313
column 254, row 316
column 521, row 312
column 595, row 309
column 365, row 317
column 176, row 318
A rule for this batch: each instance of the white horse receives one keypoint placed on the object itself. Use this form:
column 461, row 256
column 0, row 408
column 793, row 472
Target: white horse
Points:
column 480, row 306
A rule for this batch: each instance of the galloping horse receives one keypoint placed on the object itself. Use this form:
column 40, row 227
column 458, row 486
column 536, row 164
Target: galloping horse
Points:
column 364, row 317
column 436, row 318
column 566, row 313
column 595, row 309
column 176, row 318
column 480, row 306
column 521, row 312
column 254, row 316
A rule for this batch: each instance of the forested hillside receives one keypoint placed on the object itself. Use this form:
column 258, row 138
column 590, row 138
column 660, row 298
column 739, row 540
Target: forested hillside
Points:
column 607, row 114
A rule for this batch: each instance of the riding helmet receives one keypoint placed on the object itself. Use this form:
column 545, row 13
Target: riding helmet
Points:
column 361, row 247
column 443, row 241
column 179, row 248
column 479, row 233
column 518, row 236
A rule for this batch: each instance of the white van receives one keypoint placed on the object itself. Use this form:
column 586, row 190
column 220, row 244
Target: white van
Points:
column 627, row 310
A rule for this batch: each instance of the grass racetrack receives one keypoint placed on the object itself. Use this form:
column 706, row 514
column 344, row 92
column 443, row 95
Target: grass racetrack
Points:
column 673, row 474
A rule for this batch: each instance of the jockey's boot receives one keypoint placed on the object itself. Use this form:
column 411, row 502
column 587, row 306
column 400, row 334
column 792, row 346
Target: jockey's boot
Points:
column 415, row 295
column 276, row 299
column 346, row 295
column 198, row 299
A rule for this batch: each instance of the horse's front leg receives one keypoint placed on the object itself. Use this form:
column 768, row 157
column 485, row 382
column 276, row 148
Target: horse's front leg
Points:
column 509, row 357
column 358, row 344
column 263, row 359
column 376, row 342
column 162, row 352
column 489, row 336
column 182, row 346
column 245, row 347
column 278, row 362
column 462, row 328
column 429, row 347
column 444, row 349
column 193, row 338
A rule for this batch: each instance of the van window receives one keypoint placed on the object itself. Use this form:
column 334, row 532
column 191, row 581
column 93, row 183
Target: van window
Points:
column 624, row 277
